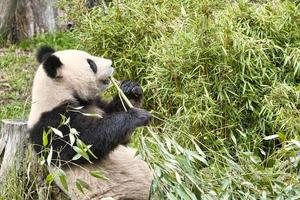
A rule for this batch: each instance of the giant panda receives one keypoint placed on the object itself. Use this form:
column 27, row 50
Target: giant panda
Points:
column 69, row 83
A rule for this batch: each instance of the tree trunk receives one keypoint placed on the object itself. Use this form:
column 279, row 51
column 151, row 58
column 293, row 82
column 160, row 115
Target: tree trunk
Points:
column 7, row 10
column 35, row 16
column 21, row 19
column 12, row 140
column 14, row 151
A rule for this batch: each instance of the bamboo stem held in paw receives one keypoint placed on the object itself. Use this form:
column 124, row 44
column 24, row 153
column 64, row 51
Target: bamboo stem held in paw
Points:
column 114, row 81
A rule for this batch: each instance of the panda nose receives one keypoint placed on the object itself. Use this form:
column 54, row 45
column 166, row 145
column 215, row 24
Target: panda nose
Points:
column 109, row 62
column 104, row 62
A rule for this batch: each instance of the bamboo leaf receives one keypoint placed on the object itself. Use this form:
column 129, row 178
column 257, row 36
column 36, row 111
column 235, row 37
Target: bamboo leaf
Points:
column 98, row 174
column 72, row 139
column 76, row 157
column 271, row 137
column 50, row 177
column 49, row 157
column 57, row 132
column 73, row 131
column 45, row 138
column 81, row 185
column 63, row 182
column 82, row 153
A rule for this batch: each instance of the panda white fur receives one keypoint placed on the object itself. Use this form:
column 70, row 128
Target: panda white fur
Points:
column 70, row 79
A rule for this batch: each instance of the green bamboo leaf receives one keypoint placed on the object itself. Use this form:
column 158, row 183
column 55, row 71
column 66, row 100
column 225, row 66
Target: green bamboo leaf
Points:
column 182, row 193
column 168, row 143
column 49, row 157
column 271, row 137
column 90, row 152
column 171, row 196
column 50, row 177
column 190, row 193
column 45, row 138
column 41, row 160
column 81, row 152
column 200, row 158
column 233, row 138
column 72, row 139
column 76, row 157
column 98, row 174
column 198, row 148
column 81, row 185
column 85, row 148
column 92, row 115
column 178, row 178
column 63, row 182
column 80, row 144
column 73, row 131
column 63, row 119
column 67, row 121
column 57, row 132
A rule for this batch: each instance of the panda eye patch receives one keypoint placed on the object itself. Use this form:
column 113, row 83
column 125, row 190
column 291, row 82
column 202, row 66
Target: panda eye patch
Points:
column 93, row 65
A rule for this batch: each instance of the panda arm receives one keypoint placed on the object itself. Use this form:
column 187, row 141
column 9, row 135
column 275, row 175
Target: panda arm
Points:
column 104, row 134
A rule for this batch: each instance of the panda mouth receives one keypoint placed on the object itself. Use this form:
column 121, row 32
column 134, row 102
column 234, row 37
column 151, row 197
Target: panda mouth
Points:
column 105, row 81
column 105, row 77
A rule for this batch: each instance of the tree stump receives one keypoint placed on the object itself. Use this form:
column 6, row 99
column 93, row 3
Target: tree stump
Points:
column 7, row 9
column 13, row 148
column 13, row 136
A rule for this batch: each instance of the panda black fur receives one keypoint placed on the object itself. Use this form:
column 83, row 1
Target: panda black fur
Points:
column 70, row 79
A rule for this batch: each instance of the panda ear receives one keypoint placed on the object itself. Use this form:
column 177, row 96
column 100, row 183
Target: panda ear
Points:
column 43, row 53
column 51, row 66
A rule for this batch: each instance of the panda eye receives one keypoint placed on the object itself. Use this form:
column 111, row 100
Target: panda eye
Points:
column 93, row 65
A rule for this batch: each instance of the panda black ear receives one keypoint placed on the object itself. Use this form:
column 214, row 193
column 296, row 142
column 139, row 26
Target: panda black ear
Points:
column 51, row 65
column 43, row 53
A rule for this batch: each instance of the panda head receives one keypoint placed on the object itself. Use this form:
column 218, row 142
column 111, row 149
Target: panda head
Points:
column 75, row 71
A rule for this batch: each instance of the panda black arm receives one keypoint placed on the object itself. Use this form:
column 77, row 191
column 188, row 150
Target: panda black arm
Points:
column 134, row 93
column 107, row 133
column 104, row 134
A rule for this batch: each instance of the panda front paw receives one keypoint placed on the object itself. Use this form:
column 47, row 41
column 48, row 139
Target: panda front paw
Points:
column 141, row 117
column 133, row 91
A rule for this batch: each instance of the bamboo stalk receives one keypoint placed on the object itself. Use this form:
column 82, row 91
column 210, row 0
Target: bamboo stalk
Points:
column 114, row 81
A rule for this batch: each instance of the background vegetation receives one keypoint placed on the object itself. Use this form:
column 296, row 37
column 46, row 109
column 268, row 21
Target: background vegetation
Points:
column 222, row 79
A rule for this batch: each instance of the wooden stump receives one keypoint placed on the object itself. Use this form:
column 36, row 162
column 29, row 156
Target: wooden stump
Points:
column 13, row 137
column 13, row 148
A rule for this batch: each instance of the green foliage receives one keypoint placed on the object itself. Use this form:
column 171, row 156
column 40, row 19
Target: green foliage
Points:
column 98, row 174
column 16, row 71
column 57, row 40
column 219, row 77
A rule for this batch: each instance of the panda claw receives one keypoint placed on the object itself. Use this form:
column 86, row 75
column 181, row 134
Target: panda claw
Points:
column 131, row 88
column 142, row 117
column 125, row 86
column 137, row 91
